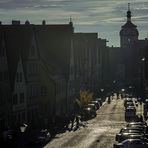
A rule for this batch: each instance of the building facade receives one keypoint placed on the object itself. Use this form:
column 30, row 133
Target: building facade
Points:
column 5, row 87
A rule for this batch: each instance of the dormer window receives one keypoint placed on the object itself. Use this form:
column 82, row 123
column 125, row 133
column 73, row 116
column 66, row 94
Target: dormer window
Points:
column 15, row 99
column 19, row 77
column 32, row 51
column 2, row 52
column 2, row 49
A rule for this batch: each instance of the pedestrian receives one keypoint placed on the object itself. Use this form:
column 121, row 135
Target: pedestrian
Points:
column 108, row 100
column 66, row 121
column 72, row 119
column 77, row 121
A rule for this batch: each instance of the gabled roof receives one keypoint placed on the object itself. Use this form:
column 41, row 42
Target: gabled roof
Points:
column 52, row 42
column 17, row 43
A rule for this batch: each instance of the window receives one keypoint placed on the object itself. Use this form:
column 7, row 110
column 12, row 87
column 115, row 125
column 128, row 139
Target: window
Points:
column 21, row 97
column 1, row 75
column 14, row 117
column 20, row 76
column 32, row 51
column 6, row 75
column 2, row 51
column 23, row 115
column 32, row 68
column 19, row 117
column 8, row 98
column 1, row 99
column 43, row 91
column 17, row 77
column 15, row 99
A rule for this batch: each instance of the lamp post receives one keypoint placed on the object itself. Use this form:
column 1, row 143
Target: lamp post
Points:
column 102, row 92
column 142, row 78
column 142, row 83
column 23, row 128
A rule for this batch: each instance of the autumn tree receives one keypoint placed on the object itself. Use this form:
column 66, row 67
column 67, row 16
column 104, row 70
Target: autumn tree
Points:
column 85, row 97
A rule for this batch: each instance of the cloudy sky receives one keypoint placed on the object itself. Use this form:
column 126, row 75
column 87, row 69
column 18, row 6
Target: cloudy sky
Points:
column 103, row 16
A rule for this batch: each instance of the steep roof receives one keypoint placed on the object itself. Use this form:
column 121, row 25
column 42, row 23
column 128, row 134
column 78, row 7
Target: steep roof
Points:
column 17, row 42
column 53, row 42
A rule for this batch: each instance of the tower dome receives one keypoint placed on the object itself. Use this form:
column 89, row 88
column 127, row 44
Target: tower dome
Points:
column 128, row 31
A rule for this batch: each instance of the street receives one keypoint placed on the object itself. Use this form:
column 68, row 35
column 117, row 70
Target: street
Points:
column 98, row 132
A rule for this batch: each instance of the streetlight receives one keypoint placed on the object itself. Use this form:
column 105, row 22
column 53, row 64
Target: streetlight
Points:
column 101, row 89
column 143, row 59
column 142, row 81
column 122, row 89
column 23, row 127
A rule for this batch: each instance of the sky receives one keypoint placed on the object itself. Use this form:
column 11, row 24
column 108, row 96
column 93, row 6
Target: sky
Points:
column 102, row 16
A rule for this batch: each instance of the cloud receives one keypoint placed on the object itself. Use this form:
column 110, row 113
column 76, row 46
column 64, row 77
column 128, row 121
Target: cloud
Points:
column 88, row 15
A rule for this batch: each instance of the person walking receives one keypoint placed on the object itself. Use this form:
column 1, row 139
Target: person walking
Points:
column 72, row 119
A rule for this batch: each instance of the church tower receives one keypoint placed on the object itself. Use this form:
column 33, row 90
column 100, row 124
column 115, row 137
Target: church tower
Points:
column 129, row 33
column 128, row 39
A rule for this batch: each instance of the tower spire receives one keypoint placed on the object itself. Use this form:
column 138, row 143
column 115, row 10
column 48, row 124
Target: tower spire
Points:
column 128, row 6
column 70, row 21
column 129, row 13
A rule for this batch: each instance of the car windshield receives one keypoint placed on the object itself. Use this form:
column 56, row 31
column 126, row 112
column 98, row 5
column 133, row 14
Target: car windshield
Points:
column 42, row 134
column 130, row 110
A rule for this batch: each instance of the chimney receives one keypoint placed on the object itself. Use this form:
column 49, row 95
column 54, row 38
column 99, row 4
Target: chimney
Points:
column 43, row 22
column 15, row 22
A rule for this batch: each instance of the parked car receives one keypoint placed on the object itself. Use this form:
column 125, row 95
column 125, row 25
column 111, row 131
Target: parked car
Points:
column 96, row 103
column 99, row 100
column 130, row 114
column 127, row 134
column 131, row 143
column 40, row 136
column 127, row 100
column 130, row 124
column 92, row 105
column 141, row 129
column 87, row 113
column 128, row 104
column 10, row 135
